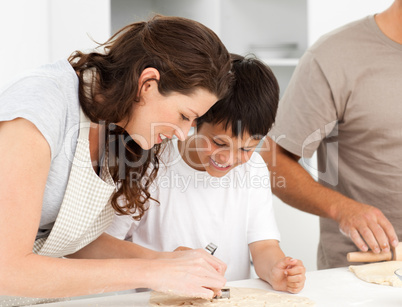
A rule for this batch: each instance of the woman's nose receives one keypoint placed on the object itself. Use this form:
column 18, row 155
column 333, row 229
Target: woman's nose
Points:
column 183, row 131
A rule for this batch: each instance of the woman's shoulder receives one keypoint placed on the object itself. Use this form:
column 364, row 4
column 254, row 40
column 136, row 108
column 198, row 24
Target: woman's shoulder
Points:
column 46, row 96
column 46, row 86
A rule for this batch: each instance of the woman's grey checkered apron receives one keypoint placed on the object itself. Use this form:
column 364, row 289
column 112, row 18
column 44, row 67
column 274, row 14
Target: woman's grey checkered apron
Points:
column 84, row 213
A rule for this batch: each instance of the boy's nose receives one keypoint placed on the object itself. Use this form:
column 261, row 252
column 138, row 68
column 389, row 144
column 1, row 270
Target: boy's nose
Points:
column 225, row 158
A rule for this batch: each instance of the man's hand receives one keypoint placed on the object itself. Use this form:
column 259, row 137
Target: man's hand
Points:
column 367, row 227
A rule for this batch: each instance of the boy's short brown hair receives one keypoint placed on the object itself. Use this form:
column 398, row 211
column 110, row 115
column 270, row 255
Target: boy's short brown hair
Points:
column 251, row 105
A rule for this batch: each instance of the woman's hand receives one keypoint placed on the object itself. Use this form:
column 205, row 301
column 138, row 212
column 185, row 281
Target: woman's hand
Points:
column 183, row 251
column 188, row 273
column 288, row 275
column 182, row 248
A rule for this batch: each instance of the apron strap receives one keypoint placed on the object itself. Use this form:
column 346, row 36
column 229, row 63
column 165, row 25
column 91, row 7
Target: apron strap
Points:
column 85, row 125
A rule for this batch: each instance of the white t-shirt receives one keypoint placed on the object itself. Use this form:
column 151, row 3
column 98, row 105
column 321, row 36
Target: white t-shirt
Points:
column 197, row 209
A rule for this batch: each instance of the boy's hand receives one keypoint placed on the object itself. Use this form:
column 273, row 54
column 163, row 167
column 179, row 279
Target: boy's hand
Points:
column 288, row 275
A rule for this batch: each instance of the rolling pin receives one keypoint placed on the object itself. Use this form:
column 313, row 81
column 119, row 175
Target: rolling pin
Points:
column 394, row 254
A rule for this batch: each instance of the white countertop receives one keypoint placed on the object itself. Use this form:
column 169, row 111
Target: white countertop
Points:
column 328, row 288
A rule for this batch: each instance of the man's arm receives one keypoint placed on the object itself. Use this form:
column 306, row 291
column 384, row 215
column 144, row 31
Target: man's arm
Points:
column 361, row 222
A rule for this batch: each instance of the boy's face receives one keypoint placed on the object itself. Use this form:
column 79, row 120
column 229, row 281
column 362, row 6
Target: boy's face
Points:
column 217, row 151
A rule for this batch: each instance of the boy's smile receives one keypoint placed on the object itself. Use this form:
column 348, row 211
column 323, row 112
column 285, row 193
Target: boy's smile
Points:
column 219, row 166
column 216, row 150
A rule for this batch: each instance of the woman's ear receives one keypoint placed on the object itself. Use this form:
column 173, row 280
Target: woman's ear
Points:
column 148, row 75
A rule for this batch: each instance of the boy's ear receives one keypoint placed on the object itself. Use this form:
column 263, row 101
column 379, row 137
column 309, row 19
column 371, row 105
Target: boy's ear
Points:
column 145, row 81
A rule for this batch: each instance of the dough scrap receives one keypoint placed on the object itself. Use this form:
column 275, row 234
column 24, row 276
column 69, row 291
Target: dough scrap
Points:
column 381, row 273
column 246, row 297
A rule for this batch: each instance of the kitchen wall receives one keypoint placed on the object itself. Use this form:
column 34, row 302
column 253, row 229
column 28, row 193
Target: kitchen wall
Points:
column 41, row 31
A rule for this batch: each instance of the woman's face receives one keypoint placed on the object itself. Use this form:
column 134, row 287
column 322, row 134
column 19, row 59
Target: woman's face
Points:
column 157, row 117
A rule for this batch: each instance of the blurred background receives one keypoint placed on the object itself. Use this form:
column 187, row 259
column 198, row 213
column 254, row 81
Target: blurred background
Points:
column 35, row 32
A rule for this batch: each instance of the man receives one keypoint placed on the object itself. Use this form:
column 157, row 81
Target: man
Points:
column 345, row 101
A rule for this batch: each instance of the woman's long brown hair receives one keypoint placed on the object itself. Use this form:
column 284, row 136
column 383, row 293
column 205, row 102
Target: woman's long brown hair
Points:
column 187, row 55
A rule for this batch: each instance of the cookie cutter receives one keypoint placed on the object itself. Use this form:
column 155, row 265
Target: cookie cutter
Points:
column 211, row 248
column 398, row 273
column 225, row 294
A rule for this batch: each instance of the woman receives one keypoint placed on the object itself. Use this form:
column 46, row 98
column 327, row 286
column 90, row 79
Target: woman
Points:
column 76, row 135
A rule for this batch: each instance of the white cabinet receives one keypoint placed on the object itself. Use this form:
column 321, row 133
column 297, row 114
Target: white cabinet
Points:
column 260, row 25
column 274, row 30
column 277, row 31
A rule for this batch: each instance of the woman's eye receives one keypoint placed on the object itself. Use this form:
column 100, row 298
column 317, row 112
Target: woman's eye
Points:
column 218, row 144
column 184, row 117
column 246, row 150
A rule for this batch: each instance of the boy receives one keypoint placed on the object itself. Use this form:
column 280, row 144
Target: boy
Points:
column 212, row 187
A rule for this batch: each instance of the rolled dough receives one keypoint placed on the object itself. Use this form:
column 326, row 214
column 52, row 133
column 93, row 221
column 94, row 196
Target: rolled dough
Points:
column 381, row 273
column 246, row 297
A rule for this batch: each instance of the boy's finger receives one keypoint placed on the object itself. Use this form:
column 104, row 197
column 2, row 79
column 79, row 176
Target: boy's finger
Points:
column 294, row 289
column 286, row 262
column 296, row 270
column 298, row 278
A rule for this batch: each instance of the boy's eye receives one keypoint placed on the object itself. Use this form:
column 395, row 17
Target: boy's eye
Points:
column 183, row 117
column 218, row 144
column 246, row 150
